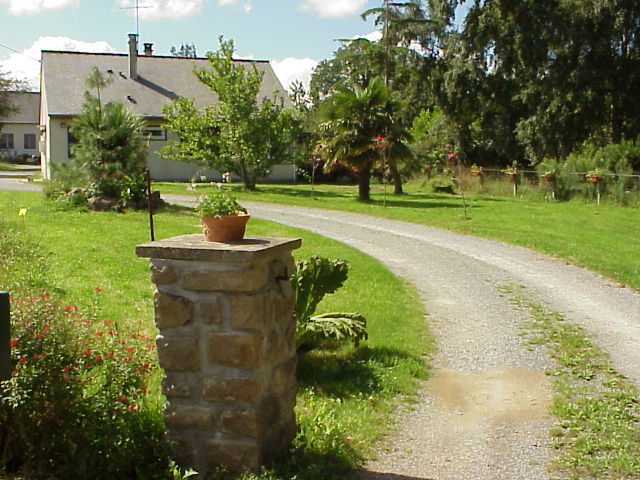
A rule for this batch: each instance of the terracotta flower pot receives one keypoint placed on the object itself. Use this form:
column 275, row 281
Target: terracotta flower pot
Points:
column 227, row 228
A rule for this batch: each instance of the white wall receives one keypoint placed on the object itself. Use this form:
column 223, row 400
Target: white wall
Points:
column 18, row 130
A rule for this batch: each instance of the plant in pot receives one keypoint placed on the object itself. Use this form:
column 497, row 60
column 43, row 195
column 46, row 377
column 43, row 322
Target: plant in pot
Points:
column 476, row 171
column 594, row 176
column 223, row 218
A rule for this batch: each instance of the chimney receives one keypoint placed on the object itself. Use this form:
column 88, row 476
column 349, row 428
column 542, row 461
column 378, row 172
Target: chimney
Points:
column 133, row 56
column 148, row 49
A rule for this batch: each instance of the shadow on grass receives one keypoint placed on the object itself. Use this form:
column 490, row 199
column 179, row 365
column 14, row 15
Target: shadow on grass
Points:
column 359, row 372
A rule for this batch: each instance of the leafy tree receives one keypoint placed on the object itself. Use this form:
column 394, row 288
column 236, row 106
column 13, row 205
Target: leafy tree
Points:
column 541, row 76
column 7, row 85
column 352, row 124
column 187, row 50
column 240, row 133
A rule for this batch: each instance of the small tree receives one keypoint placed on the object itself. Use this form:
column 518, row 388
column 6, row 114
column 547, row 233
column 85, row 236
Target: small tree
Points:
column 186, row 50
column 110, row 149
column 7, row 85
column 240, row 133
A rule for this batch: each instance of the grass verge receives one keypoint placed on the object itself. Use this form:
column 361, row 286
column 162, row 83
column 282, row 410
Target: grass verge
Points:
column 597, row 434
column 602, row 238
column 87, row 259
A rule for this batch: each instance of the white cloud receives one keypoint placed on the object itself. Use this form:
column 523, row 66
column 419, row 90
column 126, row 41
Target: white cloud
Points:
column 159, row 9
column 334, row 8
column 29, row 7
column 26, row 67
column 290, row 69
column 374, row 36
column 247, row 5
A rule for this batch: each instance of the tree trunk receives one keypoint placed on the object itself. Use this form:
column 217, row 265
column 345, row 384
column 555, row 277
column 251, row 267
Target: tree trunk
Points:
column 364, row 187
column 397, row 180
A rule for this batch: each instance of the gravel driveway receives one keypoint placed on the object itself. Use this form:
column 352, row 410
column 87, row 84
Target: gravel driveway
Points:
column 483, row 413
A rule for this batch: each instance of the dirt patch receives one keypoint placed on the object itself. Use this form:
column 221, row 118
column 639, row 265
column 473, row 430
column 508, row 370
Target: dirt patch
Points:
column 513, row 394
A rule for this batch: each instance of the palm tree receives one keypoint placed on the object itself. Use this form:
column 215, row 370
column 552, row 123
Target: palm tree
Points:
column 352, row 123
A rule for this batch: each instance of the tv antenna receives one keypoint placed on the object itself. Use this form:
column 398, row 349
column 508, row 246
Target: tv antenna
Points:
column 137, row 9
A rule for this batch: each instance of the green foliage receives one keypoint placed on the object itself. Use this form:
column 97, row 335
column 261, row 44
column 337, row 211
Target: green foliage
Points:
column 241, row 133
column 349, row 122
column 186, row 50
column 110, row 150
column 217, row 204
column 314, row 278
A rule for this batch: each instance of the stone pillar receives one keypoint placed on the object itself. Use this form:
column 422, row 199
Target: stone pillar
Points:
column 227, row 346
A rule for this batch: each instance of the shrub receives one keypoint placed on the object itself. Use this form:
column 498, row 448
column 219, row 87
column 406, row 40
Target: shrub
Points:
column 314, row 278
column 76, row 405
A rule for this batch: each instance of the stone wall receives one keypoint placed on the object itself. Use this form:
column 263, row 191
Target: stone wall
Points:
column 227, row 345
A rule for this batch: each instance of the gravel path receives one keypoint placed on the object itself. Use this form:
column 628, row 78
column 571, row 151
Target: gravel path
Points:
column 483, row 414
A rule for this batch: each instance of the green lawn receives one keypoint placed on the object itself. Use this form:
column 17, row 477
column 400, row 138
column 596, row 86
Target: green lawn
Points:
column 90, row 262
column 605, row 238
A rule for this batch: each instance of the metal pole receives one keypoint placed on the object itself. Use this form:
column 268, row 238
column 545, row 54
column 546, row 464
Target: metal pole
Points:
column 150, row 204
column 5, row 337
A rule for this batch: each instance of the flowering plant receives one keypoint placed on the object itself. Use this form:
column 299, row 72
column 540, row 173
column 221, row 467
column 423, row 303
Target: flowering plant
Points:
column 77, row 394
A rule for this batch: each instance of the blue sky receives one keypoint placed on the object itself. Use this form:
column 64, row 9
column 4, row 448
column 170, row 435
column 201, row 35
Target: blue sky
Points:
column 293, row 34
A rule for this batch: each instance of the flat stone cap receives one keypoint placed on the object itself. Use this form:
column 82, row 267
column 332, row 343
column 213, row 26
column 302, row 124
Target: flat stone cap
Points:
column 194, row 247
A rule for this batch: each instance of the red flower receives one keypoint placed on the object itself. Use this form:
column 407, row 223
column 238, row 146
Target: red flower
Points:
column 70, row 308
column 121, row 399
column 38, row 335
column 86, row 351
column 22, row 361
column 132, row 407
column 451, row 156
column 97, row 289
column 13, row 342
column 98, row 358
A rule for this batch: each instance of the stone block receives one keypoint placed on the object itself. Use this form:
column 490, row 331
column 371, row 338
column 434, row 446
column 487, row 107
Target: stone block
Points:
column 176, row 385
column 189, row 416
column 227, row 389
column 274, row 346
column 178, row 353
column 234, row 454
column 184, row 447
column 171, row 311
column 234, row 280
column 162, row 273
column 284, row 375
column 241, row 421
column 240, row 350
column 246, row 311
column 209, row 313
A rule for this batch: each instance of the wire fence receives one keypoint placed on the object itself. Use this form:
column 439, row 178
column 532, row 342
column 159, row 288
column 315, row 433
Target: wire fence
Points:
column 597, row 186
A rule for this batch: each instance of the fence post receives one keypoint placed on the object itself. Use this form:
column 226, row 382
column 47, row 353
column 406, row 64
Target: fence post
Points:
column 5, row 337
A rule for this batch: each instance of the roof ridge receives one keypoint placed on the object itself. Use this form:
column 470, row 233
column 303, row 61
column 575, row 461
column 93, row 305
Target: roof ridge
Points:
column 147, row 56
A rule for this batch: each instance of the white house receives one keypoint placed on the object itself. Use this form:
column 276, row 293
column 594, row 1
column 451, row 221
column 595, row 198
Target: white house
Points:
column 20, row 131
column 145, row 83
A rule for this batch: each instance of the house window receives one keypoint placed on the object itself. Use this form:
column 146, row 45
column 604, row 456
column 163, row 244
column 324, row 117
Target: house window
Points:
column 70, row 141
column 155, row 133
column 29, row 141
column 6, row 141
